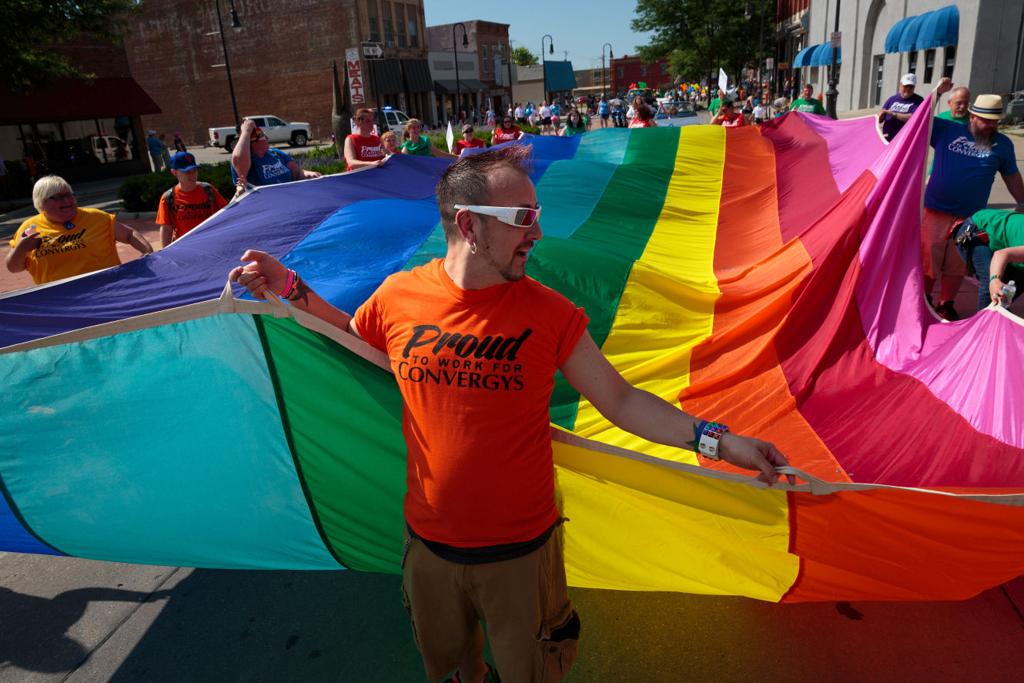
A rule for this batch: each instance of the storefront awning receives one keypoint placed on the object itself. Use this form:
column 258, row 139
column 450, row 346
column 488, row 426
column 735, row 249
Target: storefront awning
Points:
column 559, row 76
column 803, row 57
column 385, row 76
column 417, row 75
column 817, row 55
column 77, row 99
column 465, row 85
column 925, row 31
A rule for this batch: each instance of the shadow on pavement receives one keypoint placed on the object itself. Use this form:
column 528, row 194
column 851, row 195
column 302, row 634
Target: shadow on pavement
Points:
column 35, row 629
column 277, row 626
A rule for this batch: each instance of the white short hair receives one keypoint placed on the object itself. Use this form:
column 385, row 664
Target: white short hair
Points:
column 47, row 186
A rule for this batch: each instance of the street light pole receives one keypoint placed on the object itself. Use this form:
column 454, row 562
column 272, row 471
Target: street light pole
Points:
column 611, row 56
column 235, row 24
column 511, row 95
column 544, row 62
column 833, row 77
column 455, row 52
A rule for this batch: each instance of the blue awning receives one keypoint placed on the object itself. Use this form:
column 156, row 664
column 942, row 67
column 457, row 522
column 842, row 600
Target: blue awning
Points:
column 939, row 28
column 802, row 57
column 925, row 31
column 822, row 55
column 892, row 39
column 559, row 76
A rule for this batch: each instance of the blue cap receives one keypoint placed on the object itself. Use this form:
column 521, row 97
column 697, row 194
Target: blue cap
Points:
column 183, row 161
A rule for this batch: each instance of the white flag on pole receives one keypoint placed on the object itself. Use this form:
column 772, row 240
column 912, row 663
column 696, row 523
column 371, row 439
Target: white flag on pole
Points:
column 450, row 137
column 723, row 80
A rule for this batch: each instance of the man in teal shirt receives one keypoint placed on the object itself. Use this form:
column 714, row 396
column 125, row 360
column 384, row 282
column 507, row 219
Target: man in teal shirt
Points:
column 992, row 243
column 806, row 103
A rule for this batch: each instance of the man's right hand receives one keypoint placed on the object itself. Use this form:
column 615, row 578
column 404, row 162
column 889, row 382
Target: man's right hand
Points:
column 944, row 86
column 263, row 273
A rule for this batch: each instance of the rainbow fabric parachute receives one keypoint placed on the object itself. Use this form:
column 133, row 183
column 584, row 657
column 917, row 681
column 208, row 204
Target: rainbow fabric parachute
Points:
column 768, row 278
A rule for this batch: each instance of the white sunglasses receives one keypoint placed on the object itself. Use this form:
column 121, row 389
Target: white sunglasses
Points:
column 512, row 215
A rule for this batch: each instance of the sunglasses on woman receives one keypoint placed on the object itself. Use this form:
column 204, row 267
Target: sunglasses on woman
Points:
column 516, row 216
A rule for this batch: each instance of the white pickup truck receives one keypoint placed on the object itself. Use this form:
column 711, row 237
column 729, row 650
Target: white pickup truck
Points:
column 296, row 133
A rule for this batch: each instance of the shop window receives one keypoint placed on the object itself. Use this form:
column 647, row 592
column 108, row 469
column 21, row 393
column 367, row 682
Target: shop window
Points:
column 876, row 98
column 414, row 32
column 929, row 65
column 400, row 23
column 372, row 14
column 912, row 62
column 950, row 61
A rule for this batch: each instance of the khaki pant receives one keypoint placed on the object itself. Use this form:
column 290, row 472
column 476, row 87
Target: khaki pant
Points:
column 531, row 624
column 938, row 253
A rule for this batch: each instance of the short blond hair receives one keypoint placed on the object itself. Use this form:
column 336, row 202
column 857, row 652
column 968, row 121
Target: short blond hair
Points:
column 47, row 186
column 388, row 136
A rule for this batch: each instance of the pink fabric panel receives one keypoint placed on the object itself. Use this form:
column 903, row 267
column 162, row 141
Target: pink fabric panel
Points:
column 853, row 145
column 970, row 365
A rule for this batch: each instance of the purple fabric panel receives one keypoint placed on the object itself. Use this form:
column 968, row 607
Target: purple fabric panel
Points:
column 853, row 145
column 273, row 219
column 970, row 365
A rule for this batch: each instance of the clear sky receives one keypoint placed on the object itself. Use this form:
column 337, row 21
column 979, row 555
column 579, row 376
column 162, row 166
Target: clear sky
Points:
column 580, row 27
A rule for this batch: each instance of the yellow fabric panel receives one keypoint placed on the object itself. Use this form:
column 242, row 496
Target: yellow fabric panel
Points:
column 640, row 526
column 672, row 288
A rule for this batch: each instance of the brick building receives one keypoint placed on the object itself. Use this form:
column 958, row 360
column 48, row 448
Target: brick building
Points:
column 488, row 42
column 627, row 70
column 280, row 59
column 792, row 19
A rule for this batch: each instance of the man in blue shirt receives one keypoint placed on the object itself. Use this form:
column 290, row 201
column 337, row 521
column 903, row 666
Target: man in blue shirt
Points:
column 254, row 160
column 156, row 150
column 966, row 161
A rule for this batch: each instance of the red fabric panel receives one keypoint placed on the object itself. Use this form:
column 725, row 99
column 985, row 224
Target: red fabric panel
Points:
column 806, row 189
column 887, row 544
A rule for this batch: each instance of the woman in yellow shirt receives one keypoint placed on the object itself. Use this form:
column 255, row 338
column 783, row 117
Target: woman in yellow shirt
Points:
column 64, row 240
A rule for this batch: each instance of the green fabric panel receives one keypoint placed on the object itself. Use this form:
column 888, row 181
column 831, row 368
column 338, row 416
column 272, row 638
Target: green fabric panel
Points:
column 593, row 265
column 344, row 418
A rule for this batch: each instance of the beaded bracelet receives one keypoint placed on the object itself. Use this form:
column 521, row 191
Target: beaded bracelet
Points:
column 289, row 284
column 706, row 438
column 296, row 289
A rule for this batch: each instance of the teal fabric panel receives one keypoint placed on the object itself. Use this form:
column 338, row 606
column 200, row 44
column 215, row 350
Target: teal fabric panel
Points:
column 570, row 189
column 161, row 446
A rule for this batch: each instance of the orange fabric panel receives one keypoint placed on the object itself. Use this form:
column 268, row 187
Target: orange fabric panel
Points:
column 893, row 544
column 735, row 373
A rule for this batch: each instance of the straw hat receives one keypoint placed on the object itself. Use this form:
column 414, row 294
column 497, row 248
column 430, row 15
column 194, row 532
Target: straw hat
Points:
column 987, row 107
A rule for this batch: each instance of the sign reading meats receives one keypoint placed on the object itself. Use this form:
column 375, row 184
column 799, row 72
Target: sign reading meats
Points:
column 355, row 75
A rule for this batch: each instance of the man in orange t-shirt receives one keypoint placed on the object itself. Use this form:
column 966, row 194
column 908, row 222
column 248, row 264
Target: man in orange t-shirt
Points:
column 188, row 203
column 474, row 345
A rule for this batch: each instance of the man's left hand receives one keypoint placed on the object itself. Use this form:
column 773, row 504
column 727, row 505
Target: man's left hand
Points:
column 753, row 454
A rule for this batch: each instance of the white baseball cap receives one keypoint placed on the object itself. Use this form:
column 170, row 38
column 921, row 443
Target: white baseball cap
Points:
column 909, row 79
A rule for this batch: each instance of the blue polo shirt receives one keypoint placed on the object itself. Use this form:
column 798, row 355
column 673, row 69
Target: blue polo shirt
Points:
column 270, row 169
column 962, row 176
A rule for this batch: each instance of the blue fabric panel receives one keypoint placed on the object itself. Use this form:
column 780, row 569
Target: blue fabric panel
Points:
column 939, row 28
column 892, row 38
column 14, row 537
column 560, row 76
column 351, row 253
column 908, row 39
column 146, row 462
column 274, row 219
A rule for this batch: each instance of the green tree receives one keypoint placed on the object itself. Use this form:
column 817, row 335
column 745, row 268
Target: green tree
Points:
column 33, row 31
column 523, row 57
column 699, row 36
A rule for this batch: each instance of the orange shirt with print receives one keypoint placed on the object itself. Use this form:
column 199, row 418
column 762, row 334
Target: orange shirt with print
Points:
column 190, row 208
column 476, row 370
column 80, row 246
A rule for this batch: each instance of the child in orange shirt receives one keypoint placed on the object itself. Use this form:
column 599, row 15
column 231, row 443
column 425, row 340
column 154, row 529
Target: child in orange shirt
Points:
column 188, row 203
